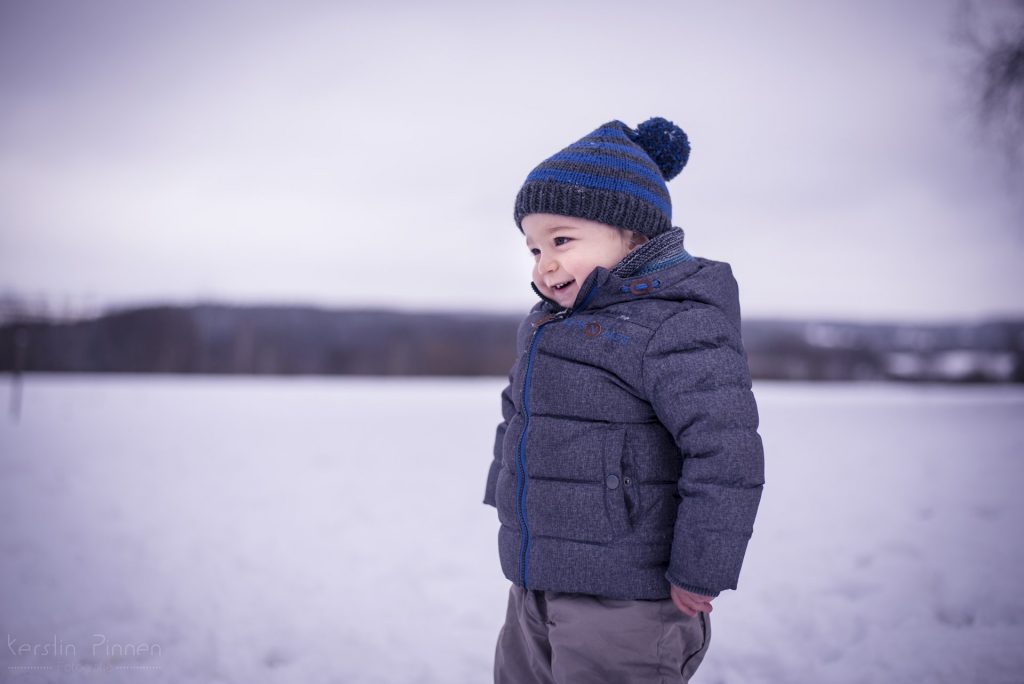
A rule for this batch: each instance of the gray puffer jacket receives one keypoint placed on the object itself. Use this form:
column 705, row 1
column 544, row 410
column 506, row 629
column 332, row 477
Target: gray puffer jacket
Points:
column 628, row 456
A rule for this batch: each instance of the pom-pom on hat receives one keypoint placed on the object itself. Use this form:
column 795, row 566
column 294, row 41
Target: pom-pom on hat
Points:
column 614, row 175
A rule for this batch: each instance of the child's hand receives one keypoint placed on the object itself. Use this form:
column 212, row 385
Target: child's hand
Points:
column 689, row 602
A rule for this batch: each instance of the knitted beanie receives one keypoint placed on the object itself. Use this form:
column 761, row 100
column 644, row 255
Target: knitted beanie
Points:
column 614, row 175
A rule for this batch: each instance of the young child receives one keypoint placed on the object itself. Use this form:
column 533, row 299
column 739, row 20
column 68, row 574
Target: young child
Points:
column 628, row 470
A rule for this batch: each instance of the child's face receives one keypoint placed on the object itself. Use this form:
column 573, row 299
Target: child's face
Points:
column 566, row 249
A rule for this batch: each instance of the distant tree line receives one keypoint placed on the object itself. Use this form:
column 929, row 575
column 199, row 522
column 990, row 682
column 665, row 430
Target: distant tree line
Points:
column 990, row 351
column 262, row 340
column 282, row 340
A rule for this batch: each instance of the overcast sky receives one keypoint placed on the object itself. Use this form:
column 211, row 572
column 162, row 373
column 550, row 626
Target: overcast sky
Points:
column 340, row 154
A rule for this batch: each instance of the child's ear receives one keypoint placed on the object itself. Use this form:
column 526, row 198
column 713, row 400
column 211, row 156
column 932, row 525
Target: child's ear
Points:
column 636, row 239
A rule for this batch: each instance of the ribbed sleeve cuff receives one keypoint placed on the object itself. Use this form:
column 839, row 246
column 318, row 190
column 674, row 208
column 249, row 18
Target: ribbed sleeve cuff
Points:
column 692, row 588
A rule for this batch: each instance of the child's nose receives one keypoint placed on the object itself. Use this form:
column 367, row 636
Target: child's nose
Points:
column 547, row 264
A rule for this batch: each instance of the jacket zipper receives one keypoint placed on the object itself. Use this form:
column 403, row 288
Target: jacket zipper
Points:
column 521, row 478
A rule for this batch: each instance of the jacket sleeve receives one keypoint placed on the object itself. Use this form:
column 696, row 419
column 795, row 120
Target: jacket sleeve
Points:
column 697, row 380
column 507, row 410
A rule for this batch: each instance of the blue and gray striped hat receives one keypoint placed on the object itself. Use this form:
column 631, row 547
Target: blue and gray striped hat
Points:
column 614, row 175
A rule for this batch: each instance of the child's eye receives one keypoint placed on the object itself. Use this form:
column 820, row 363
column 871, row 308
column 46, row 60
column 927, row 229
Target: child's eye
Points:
column 559, row 241
column 534, row 251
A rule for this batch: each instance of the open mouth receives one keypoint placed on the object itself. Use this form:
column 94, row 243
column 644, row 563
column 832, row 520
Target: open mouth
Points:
column 562, row 286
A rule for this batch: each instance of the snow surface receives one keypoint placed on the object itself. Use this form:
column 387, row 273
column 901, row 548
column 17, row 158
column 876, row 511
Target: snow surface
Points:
column 168, row 529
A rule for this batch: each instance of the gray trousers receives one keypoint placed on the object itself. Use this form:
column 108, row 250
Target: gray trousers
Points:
column 559, row 638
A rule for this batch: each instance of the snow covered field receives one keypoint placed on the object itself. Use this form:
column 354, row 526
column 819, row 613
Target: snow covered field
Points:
column 165, row 529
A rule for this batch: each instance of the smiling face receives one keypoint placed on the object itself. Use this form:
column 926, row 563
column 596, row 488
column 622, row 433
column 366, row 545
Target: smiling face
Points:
column 566, row 249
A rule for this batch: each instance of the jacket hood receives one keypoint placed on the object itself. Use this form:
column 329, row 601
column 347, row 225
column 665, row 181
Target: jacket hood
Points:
column 659, row 269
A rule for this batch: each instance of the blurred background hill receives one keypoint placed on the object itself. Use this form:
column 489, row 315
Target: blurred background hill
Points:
column 296, row 340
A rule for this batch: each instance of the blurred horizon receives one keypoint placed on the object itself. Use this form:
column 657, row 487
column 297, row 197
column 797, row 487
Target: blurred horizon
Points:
column 295, row 340
column 16, row 309
column 341, row 156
